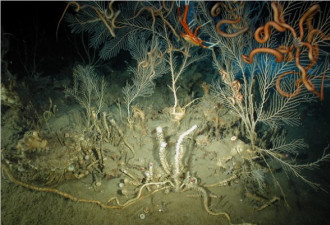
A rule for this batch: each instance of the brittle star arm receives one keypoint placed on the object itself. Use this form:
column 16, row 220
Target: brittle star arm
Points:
column 249, row 58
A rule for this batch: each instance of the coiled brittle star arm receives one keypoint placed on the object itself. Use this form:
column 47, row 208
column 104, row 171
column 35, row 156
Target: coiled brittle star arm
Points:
column 216, row 10
column 218, row 28
column 107, row 19
column 263, row 33
column 297, row 84
column 249, row 58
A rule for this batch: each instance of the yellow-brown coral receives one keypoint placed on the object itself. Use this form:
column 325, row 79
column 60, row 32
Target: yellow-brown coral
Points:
column 31, row 142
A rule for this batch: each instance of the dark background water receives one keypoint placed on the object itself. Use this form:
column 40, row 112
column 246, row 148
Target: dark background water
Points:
column 31, row 26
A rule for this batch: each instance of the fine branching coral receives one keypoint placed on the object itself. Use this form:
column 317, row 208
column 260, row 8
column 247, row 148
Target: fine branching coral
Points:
column 249, row 90
column 307, row 38
column 150, row 66
column 88, row 91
